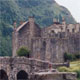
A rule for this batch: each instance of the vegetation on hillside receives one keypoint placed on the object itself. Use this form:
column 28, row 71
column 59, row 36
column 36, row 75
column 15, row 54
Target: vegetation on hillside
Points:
column 19, row 10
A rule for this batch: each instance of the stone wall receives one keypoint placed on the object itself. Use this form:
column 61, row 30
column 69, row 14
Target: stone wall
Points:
column 48, row 49
column 36, row 69
column 48, row 43
column 54, row 76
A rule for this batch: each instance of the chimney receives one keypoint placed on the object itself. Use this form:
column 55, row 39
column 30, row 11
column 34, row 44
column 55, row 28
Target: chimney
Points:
column 15, row 25
column 31, row 19
column 32, row 26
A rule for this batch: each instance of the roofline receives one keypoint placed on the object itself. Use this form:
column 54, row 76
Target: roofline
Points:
column 21, row 26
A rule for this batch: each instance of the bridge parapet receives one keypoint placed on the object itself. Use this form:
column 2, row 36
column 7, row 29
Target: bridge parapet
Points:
column 31, row 62
column 12, row 66
column 54, row 75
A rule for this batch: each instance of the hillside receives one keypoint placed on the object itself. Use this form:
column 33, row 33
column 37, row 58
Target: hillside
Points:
column 19, row 10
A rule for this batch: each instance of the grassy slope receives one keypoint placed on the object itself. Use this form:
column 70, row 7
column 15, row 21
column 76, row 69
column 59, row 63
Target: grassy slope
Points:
column 74, row 66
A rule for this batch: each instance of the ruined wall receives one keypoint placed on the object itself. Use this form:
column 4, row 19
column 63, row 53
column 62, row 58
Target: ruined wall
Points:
column 53, row 49
column 23, row 36
column 48, row 49
column 48, row 43
column 74, row 43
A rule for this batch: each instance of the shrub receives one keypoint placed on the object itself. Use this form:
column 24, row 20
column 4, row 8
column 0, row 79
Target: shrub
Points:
column 64, row 69
column 78, row 73
column 68, row 56
column 77, row 56
column 23, row 51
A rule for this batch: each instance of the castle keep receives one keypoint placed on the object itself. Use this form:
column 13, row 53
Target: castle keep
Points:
column 49, row 43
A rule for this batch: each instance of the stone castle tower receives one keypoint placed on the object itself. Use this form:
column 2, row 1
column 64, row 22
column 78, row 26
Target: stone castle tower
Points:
column 48, row 43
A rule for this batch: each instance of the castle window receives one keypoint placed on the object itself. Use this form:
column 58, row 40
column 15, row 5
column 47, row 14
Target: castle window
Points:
column 60, row 35
column 61, row 28
column 73, row 30
column 44, row 44
column 67, row 30
column 56, row 35
column 52, row 31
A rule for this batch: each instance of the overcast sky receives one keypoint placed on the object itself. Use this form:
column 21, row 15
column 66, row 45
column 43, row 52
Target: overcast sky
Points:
column 73, row 6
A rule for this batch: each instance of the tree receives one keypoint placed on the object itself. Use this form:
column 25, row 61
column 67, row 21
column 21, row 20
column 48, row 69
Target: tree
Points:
column 23, row 51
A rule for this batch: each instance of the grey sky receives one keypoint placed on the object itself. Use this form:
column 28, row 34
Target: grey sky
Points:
column 73, row 6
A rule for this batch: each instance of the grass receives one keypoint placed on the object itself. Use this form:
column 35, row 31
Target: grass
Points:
column 74, row 67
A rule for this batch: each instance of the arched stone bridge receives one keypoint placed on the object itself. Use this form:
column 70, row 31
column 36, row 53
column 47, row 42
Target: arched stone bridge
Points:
column 21, row 68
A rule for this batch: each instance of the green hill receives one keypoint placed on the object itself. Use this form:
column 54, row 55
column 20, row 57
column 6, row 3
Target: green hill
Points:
column 19, row 10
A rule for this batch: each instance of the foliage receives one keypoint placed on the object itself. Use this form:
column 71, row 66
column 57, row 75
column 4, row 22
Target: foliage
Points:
column 63, row 69
column 23, row 51
column 77, row 56
column 78, row 73
column 71, row 57
column 74, row 67
column 68, row 56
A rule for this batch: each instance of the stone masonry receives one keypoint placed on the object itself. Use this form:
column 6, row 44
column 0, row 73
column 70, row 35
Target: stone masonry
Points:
column 47, row 46
column 31, row 69
column 48, row 43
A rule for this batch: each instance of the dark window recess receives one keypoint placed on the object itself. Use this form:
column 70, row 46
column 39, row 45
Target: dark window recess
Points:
column 73, row 30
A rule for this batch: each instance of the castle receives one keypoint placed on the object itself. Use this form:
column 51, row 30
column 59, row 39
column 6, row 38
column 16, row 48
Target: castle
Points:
column 47, row 46
column 49, row 43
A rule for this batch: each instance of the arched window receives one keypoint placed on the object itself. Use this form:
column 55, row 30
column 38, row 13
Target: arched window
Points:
column 51, row 34
column 52, row 31
column 44, row 45
column 67, row 30
column 22, row 75
column 3, row 75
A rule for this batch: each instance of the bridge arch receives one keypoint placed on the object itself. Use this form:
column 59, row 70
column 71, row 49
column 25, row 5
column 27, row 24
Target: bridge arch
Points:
column 3, row 75
column 22, row 75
